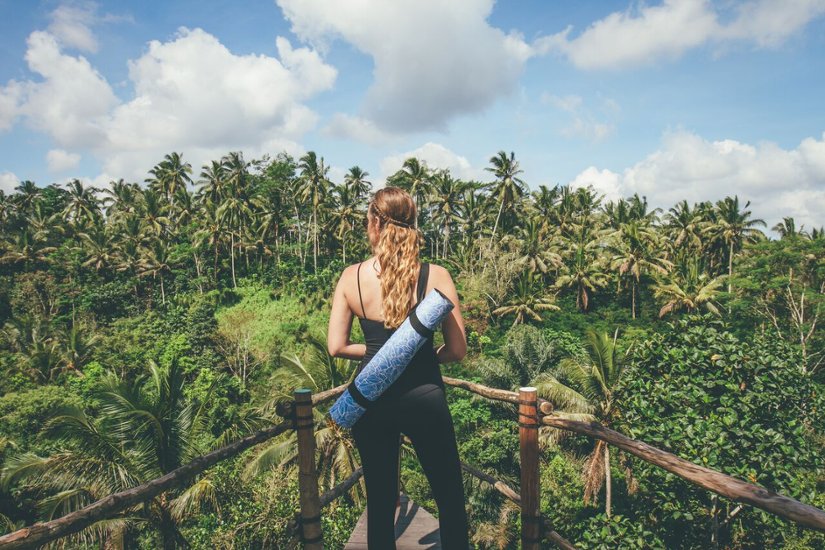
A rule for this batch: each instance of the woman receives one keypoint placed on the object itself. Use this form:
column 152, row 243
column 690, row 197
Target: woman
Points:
column 381, row 291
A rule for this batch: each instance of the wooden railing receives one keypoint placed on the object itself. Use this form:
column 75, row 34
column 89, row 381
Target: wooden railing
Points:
column 533, row 412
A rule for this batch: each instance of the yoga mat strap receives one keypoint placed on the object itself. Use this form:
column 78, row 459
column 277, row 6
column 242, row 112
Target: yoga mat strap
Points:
column 419, row 326
column 357, row 396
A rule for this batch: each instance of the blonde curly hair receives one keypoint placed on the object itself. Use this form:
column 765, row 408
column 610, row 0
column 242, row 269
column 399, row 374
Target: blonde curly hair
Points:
column 397, row 251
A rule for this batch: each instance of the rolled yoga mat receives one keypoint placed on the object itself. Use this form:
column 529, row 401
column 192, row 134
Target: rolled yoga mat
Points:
column 391, row 359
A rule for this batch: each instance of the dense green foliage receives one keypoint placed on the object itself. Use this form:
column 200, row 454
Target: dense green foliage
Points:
column 145, row 324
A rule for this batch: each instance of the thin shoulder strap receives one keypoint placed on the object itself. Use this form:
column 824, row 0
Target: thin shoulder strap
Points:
column 423, row 275
column 358, row 276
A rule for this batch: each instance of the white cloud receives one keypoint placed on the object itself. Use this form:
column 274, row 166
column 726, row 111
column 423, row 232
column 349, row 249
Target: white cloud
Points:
column 436, row 156
column 191, row 94
column 361, row 129
column 432, row 59
column 9, row 104
column 72, row 101
column 768, row 23
column 59, row 160
column 668, row 30
column 8, row 182
column 71, row 25
column 778, row 182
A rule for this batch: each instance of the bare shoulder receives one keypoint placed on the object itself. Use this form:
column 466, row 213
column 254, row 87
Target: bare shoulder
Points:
column 440, row 274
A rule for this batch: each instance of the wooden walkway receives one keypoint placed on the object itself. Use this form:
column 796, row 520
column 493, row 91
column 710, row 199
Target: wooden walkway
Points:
column 415, row 528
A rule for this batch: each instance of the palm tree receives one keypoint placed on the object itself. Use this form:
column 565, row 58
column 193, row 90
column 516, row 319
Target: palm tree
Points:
column 99, row 245
column 536, row 255
column 356, row 180
column 507, row 188
column 337, row 456
column 344, row 214
column 314, row 188
column 413, row 177
column 525, row 301
column 684, row 225
column 27, row 194
column 170, row 176
column 444, row 200
column 120, row 198
column 235, row 210
column 83, row 207
column 689, row 288
column 635, row 252
column 584, row 389
column 155, row 262
column 153, row 212
column 582, row 269
column 735, row 227
column 76, row 347
column 24, row 248
column 144, row 430
column 787, row 228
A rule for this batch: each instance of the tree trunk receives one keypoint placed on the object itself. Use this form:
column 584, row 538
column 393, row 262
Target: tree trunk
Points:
column 633, row 298
column 198, row 271
column 730, row 275
column 232, row 256
column 162, row 292
column 500, row 208
column 315, row 239
column 608, row 494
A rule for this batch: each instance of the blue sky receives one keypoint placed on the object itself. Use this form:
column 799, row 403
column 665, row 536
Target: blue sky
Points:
column 678, row 99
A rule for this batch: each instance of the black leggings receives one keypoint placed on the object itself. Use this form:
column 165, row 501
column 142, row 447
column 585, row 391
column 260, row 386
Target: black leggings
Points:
column 422, row 414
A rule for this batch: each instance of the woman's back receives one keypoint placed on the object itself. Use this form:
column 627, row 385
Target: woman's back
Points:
column 424, row 367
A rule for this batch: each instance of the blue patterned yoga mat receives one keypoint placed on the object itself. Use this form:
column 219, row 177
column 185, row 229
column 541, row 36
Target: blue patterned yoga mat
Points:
column 391, row 359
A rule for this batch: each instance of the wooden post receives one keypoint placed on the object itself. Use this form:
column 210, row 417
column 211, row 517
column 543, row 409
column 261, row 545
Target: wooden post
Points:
column 529, row 452
column 310, row 528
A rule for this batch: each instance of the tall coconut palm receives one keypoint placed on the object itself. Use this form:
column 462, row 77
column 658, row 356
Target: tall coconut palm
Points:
column 787, row 228
column 120, row 198
column 314, row 189
column 170, row 176
column 344, row 214
column 684, row 226
column 536, row 256
column 83, row 207
column 356, row 180
column 99, row 244
column 445, row 198
column 735, row 227
column 635, row 252
column 413, row 177
column 581, row 269
column 155, row 261
column 507, row 187
column 143, row 430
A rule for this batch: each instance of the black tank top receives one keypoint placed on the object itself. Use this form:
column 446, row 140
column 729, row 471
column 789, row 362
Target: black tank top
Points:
column 424, row 367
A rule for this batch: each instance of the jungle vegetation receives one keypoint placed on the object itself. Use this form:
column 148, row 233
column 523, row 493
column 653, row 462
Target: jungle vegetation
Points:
column 148, row 322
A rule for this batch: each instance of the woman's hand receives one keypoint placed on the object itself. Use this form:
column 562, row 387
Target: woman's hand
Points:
column 340, row 322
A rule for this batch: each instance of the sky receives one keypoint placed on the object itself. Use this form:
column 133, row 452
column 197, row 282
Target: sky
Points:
column 680, row 99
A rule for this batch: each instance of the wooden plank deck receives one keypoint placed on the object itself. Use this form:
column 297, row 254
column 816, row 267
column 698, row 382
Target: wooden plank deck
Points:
column 415, row 528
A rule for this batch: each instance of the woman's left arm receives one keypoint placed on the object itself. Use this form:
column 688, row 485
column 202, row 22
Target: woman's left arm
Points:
column 340, row 327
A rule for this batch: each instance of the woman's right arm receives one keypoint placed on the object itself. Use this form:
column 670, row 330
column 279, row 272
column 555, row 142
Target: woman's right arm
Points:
column 455, row 339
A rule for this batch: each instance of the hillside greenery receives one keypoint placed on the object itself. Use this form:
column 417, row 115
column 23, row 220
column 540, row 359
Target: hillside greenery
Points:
column 148, row 322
